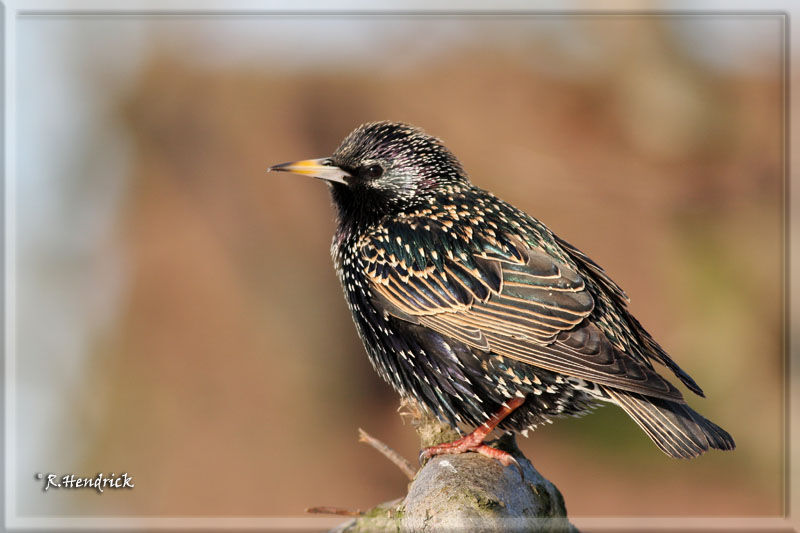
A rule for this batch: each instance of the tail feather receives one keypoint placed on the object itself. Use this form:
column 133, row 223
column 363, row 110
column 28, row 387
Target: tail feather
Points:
column 674, row 427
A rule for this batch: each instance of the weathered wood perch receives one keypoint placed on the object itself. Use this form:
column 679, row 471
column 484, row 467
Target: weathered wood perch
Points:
column 466, row 492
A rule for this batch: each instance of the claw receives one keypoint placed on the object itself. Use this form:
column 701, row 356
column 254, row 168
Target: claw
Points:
column 423, row 457
column 505, row 458
column 519, row 468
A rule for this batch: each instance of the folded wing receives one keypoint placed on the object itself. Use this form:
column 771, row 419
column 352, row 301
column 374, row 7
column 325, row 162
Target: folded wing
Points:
column 502, row 295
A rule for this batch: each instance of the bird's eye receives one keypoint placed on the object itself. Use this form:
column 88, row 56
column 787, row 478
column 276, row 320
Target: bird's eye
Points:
column 373, row 171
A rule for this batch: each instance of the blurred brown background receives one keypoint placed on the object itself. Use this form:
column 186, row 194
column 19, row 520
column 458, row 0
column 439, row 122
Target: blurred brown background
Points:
column 218, row 363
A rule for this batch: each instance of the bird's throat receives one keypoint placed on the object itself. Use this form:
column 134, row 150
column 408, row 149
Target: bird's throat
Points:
column 357, row 209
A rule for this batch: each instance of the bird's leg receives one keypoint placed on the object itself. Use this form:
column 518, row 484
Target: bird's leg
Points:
column 474, row 441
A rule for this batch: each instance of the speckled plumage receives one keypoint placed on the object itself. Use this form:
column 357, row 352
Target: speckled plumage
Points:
column 464, row 302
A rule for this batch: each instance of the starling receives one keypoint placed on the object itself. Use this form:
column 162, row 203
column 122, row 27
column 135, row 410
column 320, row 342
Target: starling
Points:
column 480, row 313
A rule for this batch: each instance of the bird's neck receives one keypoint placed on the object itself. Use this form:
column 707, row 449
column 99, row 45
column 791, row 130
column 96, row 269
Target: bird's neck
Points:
column 357, row 211
column 361, row 210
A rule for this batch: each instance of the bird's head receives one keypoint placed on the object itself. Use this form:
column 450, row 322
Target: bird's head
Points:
column 382, row 168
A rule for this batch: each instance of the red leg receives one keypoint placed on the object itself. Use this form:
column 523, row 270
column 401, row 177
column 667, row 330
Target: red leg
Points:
column 474, row 441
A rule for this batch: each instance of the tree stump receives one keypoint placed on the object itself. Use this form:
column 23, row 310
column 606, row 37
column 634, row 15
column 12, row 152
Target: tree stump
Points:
column 468, row 492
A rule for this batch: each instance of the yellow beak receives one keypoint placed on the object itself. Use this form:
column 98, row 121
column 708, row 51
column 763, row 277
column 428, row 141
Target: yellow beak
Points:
column 317, row 168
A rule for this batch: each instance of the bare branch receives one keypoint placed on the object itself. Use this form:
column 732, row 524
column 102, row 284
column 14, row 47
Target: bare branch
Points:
column 401, row 462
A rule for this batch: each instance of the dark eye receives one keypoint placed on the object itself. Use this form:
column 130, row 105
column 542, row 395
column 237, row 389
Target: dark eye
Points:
column 373, row 171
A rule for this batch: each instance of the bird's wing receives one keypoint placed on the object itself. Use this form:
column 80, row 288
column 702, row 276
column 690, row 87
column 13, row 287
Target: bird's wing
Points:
column 497, row 293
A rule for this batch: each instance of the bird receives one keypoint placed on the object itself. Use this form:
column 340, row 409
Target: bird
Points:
column 478, row 312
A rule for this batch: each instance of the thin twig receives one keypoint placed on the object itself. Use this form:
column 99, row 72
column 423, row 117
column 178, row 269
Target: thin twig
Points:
column 334, row 510
column 401, row 462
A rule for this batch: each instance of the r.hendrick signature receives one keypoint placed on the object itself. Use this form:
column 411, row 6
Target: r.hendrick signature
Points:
column 98, row 483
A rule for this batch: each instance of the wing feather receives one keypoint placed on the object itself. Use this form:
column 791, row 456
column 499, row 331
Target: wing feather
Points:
column 524, row 304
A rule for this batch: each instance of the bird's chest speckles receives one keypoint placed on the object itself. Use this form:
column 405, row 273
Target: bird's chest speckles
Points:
column 349, row 267
column 373, row 327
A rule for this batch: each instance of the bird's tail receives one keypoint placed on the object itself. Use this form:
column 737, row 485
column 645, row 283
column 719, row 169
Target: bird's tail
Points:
column 675, row 427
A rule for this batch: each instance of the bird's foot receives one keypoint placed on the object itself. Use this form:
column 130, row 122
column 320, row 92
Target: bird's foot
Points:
column 474, row 441
column 470, row 444
column 467, row 444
